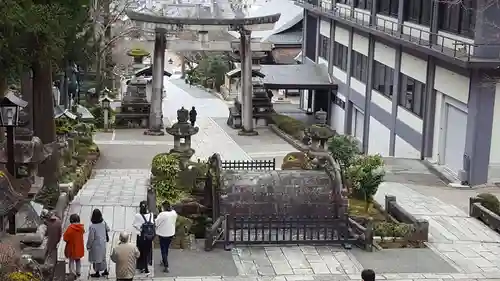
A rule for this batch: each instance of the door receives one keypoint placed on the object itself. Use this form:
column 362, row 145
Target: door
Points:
column 455, row 133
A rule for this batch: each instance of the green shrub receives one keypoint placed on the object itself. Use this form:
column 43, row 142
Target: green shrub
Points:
column 391, row 229
column 289, row 125
column 365, row 174
column 165, row 169
column 165, row 165
column 490, row 202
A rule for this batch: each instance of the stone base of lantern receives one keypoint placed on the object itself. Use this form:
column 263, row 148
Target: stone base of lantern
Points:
column 154, row 132
column 244, row 132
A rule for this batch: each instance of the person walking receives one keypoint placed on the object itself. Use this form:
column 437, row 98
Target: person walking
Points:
column 192, row 115
column 165, row 229
column 125, row 257
column 74, row 250
column 54, row 234
column 145, row 229
column 96, row 244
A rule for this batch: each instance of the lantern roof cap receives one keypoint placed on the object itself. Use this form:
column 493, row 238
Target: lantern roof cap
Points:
column 11, row 98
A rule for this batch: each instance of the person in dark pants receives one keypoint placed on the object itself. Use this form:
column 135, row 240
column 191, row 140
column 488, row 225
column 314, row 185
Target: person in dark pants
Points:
column 144, row 226
column 192, row 116
column 165, row 229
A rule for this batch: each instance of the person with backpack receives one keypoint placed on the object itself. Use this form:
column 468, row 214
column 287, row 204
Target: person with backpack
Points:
column 145, row 228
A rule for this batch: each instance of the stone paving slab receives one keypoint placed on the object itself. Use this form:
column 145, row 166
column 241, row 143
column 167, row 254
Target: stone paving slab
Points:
column 294, row 260
column 117, row 193
column 211, row 137
column 467, row 244
column 336, row 277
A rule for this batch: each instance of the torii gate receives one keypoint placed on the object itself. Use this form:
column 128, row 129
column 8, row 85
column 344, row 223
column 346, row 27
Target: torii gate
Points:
column 161, row 25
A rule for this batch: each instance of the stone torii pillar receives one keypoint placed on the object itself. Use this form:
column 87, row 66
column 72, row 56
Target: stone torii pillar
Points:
column 246, row 84
column 155, row 113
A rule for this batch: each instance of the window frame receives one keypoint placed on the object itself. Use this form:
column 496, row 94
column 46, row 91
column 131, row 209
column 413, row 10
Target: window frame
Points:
column 383, row 80
column 324, row 47
column 458, row 19
column 412, row 95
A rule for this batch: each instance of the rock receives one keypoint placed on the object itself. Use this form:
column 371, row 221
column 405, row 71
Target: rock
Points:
column 189, row 207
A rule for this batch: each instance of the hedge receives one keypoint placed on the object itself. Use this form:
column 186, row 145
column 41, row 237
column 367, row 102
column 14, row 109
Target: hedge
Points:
column 289, row 125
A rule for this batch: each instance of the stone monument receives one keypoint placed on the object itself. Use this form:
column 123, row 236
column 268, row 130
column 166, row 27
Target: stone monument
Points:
column 182, row 132
column 134, row 110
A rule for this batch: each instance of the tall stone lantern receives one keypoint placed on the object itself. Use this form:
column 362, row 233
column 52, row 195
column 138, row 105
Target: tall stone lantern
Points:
column 182, row 132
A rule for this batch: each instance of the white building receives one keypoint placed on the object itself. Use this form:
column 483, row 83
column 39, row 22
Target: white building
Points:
column 417, row 79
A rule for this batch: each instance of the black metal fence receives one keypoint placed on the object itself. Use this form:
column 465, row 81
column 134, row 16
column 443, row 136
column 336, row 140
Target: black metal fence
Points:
column 255, row 165
column 229, row 230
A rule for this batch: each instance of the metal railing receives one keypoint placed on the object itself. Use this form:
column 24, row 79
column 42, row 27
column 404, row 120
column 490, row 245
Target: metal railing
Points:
column 255, row 165
column 440, row 43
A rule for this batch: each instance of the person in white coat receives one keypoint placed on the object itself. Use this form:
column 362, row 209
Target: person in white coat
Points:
column 165, row 229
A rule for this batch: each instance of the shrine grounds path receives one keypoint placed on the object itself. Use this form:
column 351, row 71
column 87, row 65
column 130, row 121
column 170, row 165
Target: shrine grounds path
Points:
column 460, row 249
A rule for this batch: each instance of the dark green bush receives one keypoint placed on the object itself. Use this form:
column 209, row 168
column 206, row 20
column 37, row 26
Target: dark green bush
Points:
column 289, row 125
column 490, row 202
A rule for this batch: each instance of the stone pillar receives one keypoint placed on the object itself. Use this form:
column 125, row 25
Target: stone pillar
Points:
column 479, row 127
column 155, row 113
column 247, row 87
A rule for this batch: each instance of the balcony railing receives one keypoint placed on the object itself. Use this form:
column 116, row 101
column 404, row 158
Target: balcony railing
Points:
column 444, row 44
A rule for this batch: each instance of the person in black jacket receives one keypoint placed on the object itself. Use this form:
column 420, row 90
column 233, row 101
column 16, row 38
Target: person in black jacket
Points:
column 192, row 116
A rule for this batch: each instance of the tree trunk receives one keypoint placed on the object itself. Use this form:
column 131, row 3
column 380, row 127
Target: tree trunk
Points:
column 44, row 127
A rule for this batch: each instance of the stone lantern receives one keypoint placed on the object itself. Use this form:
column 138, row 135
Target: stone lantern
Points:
column 182, row 132
column 320, row 132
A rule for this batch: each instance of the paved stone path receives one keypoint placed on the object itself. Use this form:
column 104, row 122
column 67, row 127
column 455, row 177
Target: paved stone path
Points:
column 469, row 245
column 215, row 135
column 117, row 193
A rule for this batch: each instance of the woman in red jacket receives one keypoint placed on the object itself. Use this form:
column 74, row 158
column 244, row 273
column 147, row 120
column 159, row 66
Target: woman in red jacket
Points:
column 74, row 244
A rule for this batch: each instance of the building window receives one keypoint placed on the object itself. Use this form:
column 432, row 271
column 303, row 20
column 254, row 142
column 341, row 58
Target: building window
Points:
column 363, row 4
column 388, row 7
column 324, row 46
column 359, row 69
column 346, row 2
column 418, row 11
column 412, row 95
column 340, row 56
column 358, row 121
column 458, row 18
column 383, row 79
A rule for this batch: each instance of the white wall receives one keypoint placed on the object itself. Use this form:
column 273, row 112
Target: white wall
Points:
column 437, row 127
column 413, row 67
column 495, row 134
column 338, row 116
column 322, row 61
column 339, row 74
column 405, row 150
column 342, row 36
column 385, row 54
column 324, row 28
column 358, row 86
column 416, row 30
column 379, row 134
column 389, row 23
column 452, row 84
column 360, row 44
